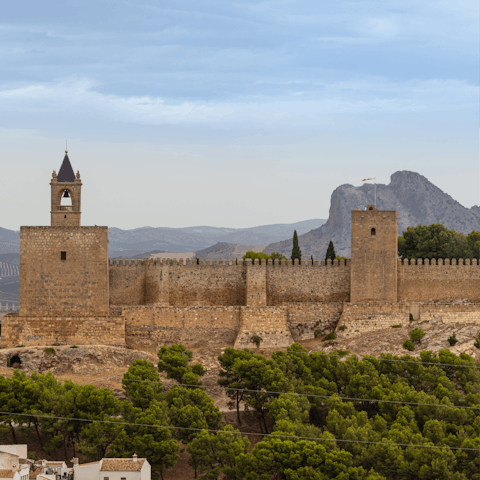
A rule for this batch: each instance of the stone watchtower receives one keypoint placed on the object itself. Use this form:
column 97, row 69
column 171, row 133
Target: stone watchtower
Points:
column 65, row 185
column 374, row 256
column 64, row 267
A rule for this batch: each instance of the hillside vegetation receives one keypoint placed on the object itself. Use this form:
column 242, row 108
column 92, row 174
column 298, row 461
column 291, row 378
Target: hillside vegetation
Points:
column 321, row 416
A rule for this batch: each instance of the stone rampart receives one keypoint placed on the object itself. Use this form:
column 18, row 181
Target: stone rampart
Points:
column 451, row 313
column 422, row 281
column 178, row 283
column 150, row 327
column 269, row 324
column 304, row 319
column 366, row 317
column 35, row 330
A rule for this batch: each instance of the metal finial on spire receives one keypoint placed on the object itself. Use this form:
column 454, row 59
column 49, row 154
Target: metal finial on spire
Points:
column 66, row 146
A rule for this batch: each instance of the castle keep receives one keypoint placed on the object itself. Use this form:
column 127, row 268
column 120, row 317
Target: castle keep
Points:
column 71, row 293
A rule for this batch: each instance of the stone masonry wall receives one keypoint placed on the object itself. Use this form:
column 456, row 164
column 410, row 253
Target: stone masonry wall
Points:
column 268, row 323
column 177, row 284
column 127, row 283
column 366, row 317
column 77, row 285
column 168, row 282
column 256, row 283
column 56, row 330
column 304, row 319
column 451, row 313
column 423, row 282
column 307, row 283
column 150, row 327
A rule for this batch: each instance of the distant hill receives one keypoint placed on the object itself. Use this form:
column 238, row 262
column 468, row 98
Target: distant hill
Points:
column 138, row 241
column 190, row 239
column 227, row 250
column 9, row 241
column 416, row 199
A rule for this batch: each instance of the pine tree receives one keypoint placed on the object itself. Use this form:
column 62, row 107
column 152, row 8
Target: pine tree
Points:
column 330, row 252
column 296, row 252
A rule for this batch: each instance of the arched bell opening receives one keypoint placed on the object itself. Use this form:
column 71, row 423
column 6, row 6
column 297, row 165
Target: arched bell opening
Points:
column 373, row 232
column 66, row 198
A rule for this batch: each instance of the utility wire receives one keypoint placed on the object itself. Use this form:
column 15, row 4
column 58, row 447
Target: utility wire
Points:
column 238, row 433
column 331, row 397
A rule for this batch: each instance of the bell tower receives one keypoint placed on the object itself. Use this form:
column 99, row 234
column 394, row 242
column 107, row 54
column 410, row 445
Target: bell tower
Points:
column 66, row 194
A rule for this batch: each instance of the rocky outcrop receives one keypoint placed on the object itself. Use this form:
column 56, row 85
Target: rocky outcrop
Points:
column 414, row 197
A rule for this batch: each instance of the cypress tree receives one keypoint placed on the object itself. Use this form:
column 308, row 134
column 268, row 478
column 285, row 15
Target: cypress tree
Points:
column 296, row 252
column 330, row 252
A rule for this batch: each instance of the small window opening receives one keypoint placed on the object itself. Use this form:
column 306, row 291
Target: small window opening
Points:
column 63, row 255
column 370, row 208
column 373, row 232
column 65, row 216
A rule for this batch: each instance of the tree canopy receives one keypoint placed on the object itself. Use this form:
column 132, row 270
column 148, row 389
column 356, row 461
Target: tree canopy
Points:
column 437, row 242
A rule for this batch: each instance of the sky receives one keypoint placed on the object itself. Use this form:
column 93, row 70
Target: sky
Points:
column 233, row 114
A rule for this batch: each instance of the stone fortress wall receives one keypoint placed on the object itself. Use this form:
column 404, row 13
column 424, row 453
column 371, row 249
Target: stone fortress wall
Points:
column 225, row 302
column 71, row 293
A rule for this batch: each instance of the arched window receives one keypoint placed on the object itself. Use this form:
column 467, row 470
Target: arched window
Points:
column 373, row 232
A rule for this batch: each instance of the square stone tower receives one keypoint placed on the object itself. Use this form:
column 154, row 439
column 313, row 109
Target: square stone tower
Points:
column 64, row 267
column 374, row 256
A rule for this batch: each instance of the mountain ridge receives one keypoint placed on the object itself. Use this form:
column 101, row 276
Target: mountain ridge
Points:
column 416, row 200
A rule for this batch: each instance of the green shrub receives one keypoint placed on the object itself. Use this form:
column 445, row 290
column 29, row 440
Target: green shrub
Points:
column 50, row 351
column 342, row 328
column 411, row 317
column 256, row 340
column 416, row 334
column 19, row 346
column 340, row 353
column 73, row 346
column 318, row 334
column 330, row 336
column 396, row 326
column 408, row 345
column 452, row 340
column 9, row 363
column 477, row 341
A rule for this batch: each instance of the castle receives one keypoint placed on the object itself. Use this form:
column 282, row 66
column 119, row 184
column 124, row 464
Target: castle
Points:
column 72, row 294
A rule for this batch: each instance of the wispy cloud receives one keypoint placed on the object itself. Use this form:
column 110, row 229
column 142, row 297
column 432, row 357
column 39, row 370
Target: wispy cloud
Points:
column 300, row 106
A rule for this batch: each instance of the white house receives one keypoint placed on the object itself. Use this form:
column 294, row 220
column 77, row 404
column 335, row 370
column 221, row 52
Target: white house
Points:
column 15, row 474
column 114, row 469
column 55, row 468
column 12, row 456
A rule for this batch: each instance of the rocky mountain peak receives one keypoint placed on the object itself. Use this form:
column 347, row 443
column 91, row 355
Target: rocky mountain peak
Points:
column 416, row 200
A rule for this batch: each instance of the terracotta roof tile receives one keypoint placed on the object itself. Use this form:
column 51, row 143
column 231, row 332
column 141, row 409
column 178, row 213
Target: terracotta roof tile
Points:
column 89, row 463
column 122, row 465
column 7, row 473
column 34, row 473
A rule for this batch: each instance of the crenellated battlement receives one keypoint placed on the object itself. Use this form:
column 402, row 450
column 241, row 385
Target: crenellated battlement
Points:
column 232, row 262
column 440, row 262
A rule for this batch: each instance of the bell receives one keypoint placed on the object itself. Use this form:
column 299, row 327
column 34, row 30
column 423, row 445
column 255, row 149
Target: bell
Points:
column 66, row 194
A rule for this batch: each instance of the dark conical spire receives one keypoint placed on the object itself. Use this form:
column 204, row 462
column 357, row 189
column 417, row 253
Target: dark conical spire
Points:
column 66, row 171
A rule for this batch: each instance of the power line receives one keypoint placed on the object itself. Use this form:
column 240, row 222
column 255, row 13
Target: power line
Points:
column 331, row 397
column 238, row 433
